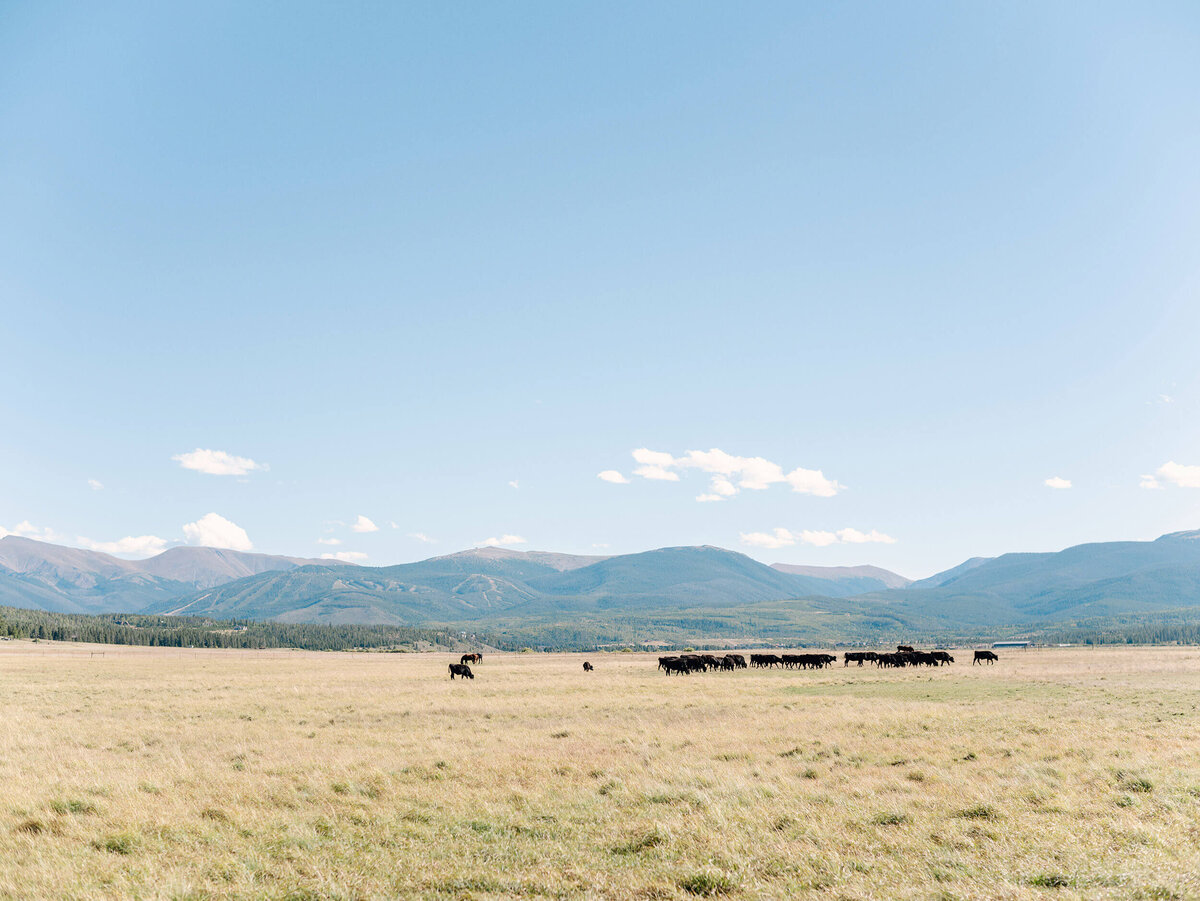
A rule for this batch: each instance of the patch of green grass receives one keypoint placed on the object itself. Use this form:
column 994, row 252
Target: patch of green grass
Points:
column 890, row 818
column 979, row 812
column 707, row 883
column 1132, row 783
column 119, row 843
column 640, row 843
column 1051, row 880
column 73, row 806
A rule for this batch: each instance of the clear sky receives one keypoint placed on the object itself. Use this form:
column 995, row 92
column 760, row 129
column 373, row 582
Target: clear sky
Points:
column 441, row 265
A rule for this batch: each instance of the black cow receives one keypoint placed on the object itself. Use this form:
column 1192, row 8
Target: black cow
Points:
column 460, row 669
column 675, row 665
column 942, row 658
column 587, row 667
column 904, row 648
column 986, row 656
column 739, row 661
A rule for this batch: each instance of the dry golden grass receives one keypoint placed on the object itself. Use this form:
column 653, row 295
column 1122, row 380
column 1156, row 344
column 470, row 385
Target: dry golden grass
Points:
column 167, row 774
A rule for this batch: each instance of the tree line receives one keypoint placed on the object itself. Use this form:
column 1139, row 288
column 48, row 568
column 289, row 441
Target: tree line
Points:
column 198, row 632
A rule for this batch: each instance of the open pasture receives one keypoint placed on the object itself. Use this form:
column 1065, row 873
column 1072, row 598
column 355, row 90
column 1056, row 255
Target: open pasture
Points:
column 167, row 774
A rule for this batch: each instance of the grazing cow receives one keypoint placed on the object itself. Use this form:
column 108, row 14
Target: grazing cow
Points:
column 460, row 669
column 587, row 667
column 860, row 657
column 471, row 658
column 986, row 656
column 942, row 658
column 739, row 661
column 674, row 665
column 903, row 648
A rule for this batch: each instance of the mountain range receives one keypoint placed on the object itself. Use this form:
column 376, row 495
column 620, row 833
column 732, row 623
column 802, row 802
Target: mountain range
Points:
column 488, row 586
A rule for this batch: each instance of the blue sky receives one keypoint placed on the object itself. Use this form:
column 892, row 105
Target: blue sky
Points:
column 441, row 265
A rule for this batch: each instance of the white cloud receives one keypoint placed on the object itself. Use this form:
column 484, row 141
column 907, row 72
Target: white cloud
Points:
column 213, row 530
column 134, row 546
column 655, row 465
column 345, row 556
column 514, row 484
column 393, row 525
column 778, row 538
column 611, row 475
column 853, row 536
column 1149, row 482
column 708, row 498
column 362, row 524
column 730, row 474
column 26, row 529
column 601, row 544
column 501, row 541
column 723, row 487
column 421, row 536
column 1057, row 482
column 329, row 541
column 95, row 485
column 1178, row 474
column 217, row 463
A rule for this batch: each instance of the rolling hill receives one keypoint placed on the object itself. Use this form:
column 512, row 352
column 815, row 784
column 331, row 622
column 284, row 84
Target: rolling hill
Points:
column 60, row 579
column 670, row 589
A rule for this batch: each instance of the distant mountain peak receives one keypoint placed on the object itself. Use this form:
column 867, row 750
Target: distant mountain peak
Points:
column 1187, row 535
column 885, row 577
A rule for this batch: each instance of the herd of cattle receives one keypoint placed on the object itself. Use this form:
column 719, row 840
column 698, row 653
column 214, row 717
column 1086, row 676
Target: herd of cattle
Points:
column 684, row 664
column 904, row 655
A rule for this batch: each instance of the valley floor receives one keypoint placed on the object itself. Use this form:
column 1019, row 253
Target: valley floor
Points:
column 196, row 774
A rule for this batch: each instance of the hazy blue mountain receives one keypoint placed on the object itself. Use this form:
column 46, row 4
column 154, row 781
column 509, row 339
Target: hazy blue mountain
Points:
column 74, row 580
column 471, row 586
column 1087, row 580
column 849, row 580
column 949, row 575
column 492, row 587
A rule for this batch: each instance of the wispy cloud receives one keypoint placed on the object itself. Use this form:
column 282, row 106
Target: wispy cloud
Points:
column 421, row 536
column 345, row 556
column 730, row 474
column 214, row 530
column 514, row 484
column 95, row 485
column 1057, row 482
column 329, row 541
column 502, row 540
column 218, row 463
column 362, row 524
column 780, row 537
column 131, row 545
column 611, row 475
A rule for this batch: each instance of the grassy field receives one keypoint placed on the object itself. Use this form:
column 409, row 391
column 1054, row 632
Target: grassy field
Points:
column 169, row 774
